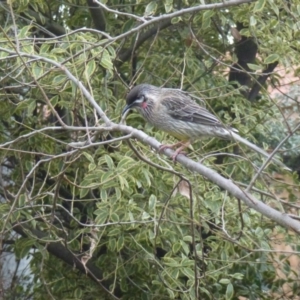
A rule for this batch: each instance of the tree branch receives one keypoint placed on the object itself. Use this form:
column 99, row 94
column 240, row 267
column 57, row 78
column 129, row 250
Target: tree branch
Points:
column 190, row 10
column 124, row 56
column 213, row 176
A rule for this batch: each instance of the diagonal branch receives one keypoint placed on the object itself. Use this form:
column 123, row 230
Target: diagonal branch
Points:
column 213, row 176
column 124, row 56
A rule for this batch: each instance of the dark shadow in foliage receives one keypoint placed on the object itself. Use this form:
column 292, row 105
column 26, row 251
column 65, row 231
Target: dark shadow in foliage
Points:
column 245, row 50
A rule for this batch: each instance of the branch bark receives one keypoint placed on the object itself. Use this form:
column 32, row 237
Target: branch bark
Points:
column 213, row 176
column 124, row 56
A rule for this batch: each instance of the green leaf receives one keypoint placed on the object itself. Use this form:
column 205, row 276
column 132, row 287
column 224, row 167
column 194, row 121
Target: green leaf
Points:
column 59, row 79
column 22, row 200
column 170, row 262
column 188, row 272
column 274, row 7
column 145, row 216
column 188, row 239
column 23, row 33
column 106, row 60
column 208, row 14
column 109, row 162
column 88, row 157
column 90, row 68
column 271, row 58
column 101, row 215
column 252, row 21
column 168, row 8
column 125, row 162
column 120, row 243
column 224, row 281
column 114, row 217
column 264, row 245
column 45, row 48
column 259, row 5
column 115, row 231
column 229, row 291
column 23, row 246
column 185, row 247
column 168, row 5
column 118, row 193
column 128, row 25
column 78, row 293
column 176, row 247
column 37, row 71
column 174, row 273
column 112, row 244
column 31, row 108
column 171, row 294
column 150, row 8
column 254, row 67
column 147, row 175
column 176, row 20
column 238, row 276
column 103, row 195
column 92, row 167
column 152, row 202
column 83, row 192
column 3, row 54
column 107, row 176
column 123, row 182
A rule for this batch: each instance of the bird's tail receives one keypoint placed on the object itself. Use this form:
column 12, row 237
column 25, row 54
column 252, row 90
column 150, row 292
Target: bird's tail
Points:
column 257, row 149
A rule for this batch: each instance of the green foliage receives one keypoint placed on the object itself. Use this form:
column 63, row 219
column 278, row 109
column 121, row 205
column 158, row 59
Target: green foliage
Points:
column 131, row 224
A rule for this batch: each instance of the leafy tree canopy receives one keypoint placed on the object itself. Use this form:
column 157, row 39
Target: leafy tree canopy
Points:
column 99, row 212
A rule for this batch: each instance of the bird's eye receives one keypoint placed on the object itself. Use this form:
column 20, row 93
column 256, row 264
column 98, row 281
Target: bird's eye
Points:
column 140, row 99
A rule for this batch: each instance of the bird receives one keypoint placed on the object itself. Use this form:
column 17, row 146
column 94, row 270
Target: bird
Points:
column 175, row 112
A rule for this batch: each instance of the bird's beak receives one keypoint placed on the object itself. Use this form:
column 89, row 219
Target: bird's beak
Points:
column 136, row 103
column 125, row 109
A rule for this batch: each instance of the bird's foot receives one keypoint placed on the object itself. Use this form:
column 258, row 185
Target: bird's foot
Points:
column 177, row 151
column 171, row 146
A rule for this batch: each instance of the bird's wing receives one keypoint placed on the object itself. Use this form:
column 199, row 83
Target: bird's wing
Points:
column 187, row 110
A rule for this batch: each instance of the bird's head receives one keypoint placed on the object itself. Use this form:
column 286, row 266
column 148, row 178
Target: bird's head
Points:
column 142, row 97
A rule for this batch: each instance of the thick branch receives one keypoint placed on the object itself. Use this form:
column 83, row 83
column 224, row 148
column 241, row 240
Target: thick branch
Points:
column 63, row 253
column 124, row 56
column 97, row 15
column 179, row 13
column 261, row 81
column 46, row 23
column 226, row 184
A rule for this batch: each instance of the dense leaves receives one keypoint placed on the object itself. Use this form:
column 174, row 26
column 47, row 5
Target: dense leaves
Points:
column 103, row 219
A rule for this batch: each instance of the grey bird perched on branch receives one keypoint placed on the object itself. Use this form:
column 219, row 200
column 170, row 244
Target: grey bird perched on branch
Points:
column 176, row 113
